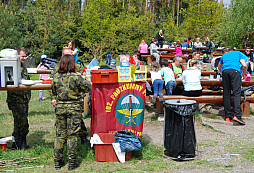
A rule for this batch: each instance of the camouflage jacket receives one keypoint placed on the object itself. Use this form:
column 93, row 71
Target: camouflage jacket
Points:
column 68, row 89
column 54, row 71
column 20, row 96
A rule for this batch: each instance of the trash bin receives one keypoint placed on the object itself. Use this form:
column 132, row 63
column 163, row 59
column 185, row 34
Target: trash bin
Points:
column 179, row 131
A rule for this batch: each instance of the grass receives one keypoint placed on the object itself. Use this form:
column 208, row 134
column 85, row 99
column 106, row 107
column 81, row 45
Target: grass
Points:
column 41, row 140
column 39, row 158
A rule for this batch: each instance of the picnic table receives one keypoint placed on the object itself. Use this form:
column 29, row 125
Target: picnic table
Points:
column 199, row 49
column 173, row 50
column 27, row 87
column 241, row 50
column 203, row 73
column 38, row 71
column 210, row 82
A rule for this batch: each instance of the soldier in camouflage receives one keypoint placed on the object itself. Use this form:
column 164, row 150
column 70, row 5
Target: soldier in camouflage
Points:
column 67, row 88
column 18, row 103
column 83, row 131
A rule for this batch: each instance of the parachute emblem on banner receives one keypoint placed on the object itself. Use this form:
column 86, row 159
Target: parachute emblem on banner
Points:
column 129, row 110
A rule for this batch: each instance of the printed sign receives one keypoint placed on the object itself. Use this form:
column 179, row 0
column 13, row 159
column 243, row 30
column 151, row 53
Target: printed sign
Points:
column 117, row 107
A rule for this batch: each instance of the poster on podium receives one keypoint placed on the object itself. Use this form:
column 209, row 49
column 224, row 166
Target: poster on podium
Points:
column 118, row 106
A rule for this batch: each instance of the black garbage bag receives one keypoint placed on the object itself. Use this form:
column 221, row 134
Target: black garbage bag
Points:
column 179, row 132
column 128, row 141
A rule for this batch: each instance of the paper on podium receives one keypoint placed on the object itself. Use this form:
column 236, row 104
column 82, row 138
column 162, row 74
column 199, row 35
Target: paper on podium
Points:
column 32, row 70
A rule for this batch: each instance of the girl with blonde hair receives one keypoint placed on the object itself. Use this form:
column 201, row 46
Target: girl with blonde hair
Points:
column 157, row 81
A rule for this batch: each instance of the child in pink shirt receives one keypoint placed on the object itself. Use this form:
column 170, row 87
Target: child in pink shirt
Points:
column 178, row 51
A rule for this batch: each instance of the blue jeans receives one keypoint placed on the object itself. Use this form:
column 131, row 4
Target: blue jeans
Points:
column 157, row 86
column 170, row 87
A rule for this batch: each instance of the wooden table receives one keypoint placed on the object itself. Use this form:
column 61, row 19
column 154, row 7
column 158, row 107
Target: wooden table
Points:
column 213, row 82
column 173, row 50
column 241, row 50
column 38, row 71
column 25, row 87
column 199, row 49
column 203, row 73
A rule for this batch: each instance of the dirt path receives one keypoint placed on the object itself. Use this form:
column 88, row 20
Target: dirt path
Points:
column 220, row 143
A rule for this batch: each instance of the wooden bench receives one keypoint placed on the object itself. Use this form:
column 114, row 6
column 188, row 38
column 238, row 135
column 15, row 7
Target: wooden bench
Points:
column 213, row 99
column 168, row 57
column 217, row 54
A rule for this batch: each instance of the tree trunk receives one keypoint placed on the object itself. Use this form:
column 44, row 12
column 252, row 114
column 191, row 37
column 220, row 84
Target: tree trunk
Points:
column 123, row 3
column 180, row 20
column 146, row 5
column 173, row 6
column 177, row 17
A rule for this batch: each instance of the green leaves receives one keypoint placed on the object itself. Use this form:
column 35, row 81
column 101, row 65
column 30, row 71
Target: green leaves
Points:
column 238, row 24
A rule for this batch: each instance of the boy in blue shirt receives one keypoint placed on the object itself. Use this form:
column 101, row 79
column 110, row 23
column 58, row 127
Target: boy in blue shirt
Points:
column 169, row 77
column 229, row 67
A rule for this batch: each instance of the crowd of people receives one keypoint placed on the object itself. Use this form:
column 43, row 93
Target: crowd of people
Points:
column 160, row 42
column 232, row 67
column 69, row 88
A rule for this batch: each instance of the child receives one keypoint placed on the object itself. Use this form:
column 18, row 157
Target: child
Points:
column 169, row 77
column 157, row 81
column 42, row 77
column 178, row 50
column 135, row 57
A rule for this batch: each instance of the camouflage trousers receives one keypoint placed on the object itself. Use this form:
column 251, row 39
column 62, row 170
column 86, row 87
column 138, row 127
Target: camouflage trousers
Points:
column 68, row 123
column 20, row 115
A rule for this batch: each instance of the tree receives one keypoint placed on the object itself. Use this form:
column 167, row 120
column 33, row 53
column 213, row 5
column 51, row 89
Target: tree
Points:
column 202, row 18
column 237, row 25
column 108, row 28
column 10, row 32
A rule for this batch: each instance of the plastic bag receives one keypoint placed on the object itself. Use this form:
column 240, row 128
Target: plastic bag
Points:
column 128, row 141
column 93, row 63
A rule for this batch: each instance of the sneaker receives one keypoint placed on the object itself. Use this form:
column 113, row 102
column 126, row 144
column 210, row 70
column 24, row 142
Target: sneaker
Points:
column 238, row 121
column 229, row 119
column 154, row 99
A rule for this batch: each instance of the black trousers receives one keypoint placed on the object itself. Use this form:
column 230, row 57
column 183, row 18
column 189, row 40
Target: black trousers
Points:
column 231, row 80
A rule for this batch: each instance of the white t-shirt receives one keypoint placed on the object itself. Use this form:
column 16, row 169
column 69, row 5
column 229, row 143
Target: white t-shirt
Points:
column 155, row 75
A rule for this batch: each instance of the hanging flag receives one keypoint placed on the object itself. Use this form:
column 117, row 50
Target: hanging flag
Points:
column 118, row 106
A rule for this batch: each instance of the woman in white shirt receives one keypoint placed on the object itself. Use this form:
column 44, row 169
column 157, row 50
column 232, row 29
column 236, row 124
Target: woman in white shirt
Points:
column 191, row 80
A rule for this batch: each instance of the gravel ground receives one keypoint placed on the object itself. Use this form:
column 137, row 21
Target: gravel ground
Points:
column 222, row 147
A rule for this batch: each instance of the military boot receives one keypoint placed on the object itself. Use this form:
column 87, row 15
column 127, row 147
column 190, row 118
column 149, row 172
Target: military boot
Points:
column 59, row 164
column 17, row 145
column 24, row 143
column 72, row 165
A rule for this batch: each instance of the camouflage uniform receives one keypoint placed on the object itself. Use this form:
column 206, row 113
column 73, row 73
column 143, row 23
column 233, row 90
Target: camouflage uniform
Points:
column 67, row 89
column 83, row 131
column 18, row 104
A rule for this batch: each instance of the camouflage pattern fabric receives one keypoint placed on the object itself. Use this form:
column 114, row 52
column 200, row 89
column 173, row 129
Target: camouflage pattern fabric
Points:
column 20, row 114
column 67, row 127
column 18, row 104
column 68, row 89
column 20, row 96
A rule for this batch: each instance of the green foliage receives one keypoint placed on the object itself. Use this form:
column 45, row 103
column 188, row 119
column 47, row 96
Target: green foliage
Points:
column 106, row 29
column 237, row 22
column 117, row 27
column 10, row 34
column 202, row 18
